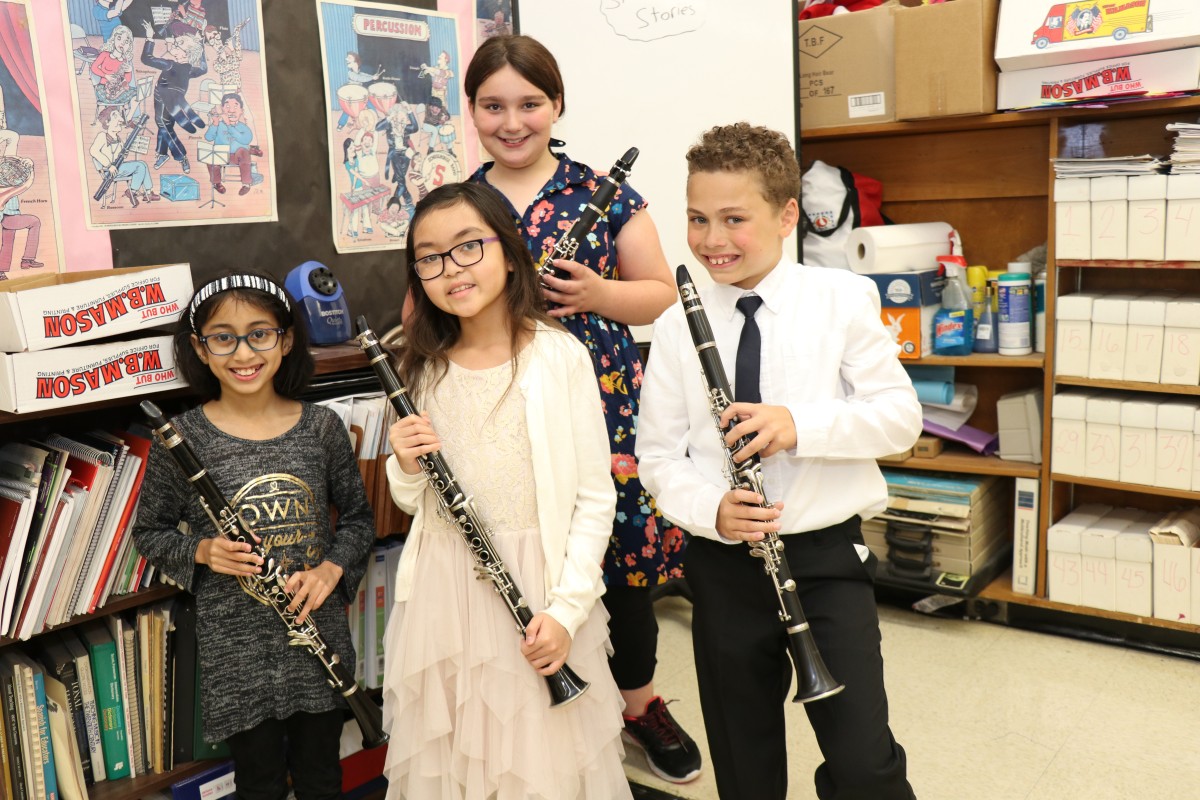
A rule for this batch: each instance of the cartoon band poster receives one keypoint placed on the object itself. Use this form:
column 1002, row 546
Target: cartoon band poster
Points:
column 28, row 223
column 172, row 116
column 396, row 115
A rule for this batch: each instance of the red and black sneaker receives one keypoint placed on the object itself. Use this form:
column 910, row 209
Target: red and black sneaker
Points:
column 670, row 752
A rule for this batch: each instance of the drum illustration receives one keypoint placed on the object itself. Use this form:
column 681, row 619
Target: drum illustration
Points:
column 383, row 96
column 352, row 98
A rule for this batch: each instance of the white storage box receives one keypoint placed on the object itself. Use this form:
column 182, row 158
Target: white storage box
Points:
column 1154, row 73
column 1173, row 454
column 1073, row 337
column 1139, row 439
column 1147, row 217
column 46, row 311
column 1174, row 538
column 1103, row 457
column 1110, row 319
column 86, row 373
column 1181, row 342
column 1196, row 456
column 1135, row 559
column 1073, row 218
column 1183, row 218
column 1040, row 33
column 1110, row 217
column 1069, row 432
column 1144, row 338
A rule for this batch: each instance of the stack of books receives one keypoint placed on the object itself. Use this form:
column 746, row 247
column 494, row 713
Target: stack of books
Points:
column 939, row 524
column 1108, row 167
column 66, row 509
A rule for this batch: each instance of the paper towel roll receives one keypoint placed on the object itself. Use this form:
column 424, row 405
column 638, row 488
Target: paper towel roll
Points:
column 897, row 248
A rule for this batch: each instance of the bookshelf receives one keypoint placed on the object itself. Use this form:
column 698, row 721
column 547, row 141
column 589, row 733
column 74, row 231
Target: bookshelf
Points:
column 991, row 177
column 329, row 361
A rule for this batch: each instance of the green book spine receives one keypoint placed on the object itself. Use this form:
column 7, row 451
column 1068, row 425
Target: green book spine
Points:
column 110, row 703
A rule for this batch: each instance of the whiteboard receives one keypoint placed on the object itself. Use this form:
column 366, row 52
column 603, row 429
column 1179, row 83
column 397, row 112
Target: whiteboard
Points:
column 655, row 76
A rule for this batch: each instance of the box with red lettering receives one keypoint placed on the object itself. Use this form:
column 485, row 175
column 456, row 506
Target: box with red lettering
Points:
column 48, row 311
column 87, row 373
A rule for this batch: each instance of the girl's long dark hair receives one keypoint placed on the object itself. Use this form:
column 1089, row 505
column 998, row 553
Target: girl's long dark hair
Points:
column 429, row 332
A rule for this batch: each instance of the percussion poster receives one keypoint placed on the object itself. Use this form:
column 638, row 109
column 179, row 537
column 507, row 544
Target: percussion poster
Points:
column 172, row 120
column 28, row 224
column 396, row 115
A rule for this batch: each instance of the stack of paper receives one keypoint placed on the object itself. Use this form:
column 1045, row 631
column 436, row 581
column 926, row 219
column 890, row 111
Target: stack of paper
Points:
column 1186, row 157
column 1106, row 167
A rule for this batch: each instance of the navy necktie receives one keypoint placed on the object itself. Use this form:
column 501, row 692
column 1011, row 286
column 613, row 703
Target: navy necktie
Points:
column 749, row 352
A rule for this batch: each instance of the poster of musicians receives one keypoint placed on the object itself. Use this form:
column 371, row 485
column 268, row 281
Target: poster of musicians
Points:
column 172, row 116
column 392, row 76
column 28, row 224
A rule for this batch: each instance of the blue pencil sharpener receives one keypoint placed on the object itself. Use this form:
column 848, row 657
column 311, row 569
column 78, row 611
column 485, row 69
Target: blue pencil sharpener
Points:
column 322, row 303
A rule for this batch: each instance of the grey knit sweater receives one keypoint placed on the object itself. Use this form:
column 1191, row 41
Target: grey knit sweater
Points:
column 284, row 488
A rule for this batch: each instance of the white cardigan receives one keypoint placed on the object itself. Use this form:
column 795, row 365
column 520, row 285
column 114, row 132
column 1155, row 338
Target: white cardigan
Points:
column 576, row 499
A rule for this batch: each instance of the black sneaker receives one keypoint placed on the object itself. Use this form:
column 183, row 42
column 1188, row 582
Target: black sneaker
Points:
column 670, row 752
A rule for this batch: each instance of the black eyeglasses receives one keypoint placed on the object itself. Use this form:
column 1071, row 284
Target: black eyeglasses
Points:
column 467, row 254
column 260, row 340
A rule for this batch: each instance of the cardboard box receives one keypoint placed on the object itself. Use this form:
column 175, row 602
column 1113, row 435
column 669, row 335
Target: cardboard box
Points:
column 1044, row 33
column 1144, row 338
column 1069, row 432
column 1064, row 576
column 846, row 69
column 1073, row 218
column 1147, row 217
column 1181, row 342
column 909, row 300
column 1110, row 217
column 87, row 373
column 45, row 311
column 944, row 63
column 1154, row 73
column 1183, row 218
column 927, row 447
column 1139, row 426
column 1073, row 339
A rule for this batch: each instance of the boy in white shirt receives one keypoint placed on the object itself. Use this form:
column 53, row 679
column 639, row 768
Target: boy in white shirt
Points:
column 830, row 397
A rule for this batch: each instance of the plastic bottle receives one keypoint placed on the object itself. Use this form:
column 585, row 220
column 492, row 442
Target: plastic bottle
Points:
column 1015, row 314
column 952, row 324
column 987, row 338
column 1039, row 311
column 977, row 282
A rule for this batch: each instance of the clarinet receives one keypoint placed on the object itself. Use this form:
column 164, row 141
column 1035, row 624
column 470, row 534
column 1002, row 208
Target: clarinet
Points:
column 459, row 507
column 120, row 159
column 267, row 587
column 813, row 681
column 597, row 206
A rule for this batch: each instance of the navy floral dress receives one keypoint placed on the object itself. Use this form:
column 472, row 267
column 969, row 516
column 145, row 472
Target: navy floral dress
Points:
column 645, row 549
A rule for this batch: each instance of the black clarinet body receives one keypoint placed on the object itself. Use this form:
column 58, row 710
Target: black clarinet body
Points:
column 813, row 681
column 458, row 507
column 267, row 587
column 597, row 206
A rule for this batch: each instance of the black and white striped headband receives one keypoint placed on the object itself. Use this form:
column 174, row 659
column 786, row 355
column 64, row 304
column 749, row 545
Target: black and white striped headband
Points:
column 235, row 282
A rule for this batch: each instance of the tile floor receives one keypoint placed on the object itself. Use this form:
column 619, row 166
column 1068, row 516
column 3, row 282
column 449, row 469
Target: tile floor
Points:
column 988, row 712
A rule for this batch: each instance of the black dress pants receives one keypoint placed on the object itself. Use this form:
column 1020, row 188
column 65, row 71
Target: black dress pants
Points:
column 745, row 674
column 306, row 745
column 633, row 632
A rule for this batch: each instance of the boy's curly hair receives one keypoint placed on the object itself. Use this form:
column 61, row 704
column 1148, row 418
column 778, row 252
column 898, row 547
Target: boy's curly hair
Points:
column 742, row 147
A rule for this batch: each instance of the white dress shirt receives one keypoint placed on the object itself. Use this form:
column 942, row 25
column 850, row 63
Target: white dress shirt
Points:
column 576, row 498
column 826, row 357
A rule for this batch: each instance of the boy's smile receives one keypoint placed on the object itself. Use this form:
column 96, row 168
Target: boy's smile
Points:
column 733, row 231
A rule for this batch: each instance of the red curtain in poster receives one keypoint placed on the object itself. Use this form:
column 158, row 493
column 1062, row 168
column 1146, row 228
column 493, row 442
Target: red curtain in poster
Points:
column 16, row 49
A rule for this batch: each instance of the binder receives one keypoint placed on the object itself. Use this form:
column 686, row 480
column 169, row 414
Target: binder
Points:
column 1025, row 535
column 16, row 510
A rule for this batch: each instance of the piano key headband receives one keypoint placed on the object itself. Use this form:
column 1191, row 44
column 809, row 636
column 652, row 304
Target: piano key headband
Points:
column 229, row 282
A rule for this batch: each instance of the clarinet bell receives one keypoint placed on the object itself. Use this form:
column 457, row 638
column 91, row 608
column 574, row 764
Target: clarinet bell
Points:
column 565, row 686
column 813, row 681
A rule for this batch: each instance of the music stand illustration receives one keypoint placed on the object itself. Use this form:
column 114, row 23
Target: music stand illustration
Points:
column 214, row 155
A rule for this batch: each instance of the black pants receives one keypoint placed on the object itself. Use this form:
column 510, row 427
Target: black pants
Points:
column 306, row 745
column 744, row 672
column 633, row 631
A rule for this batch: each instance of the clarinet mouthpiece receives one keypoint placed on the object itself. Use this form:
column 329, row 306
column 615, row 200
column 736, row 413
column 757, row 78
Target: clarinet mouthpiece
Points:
column 360, row 324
